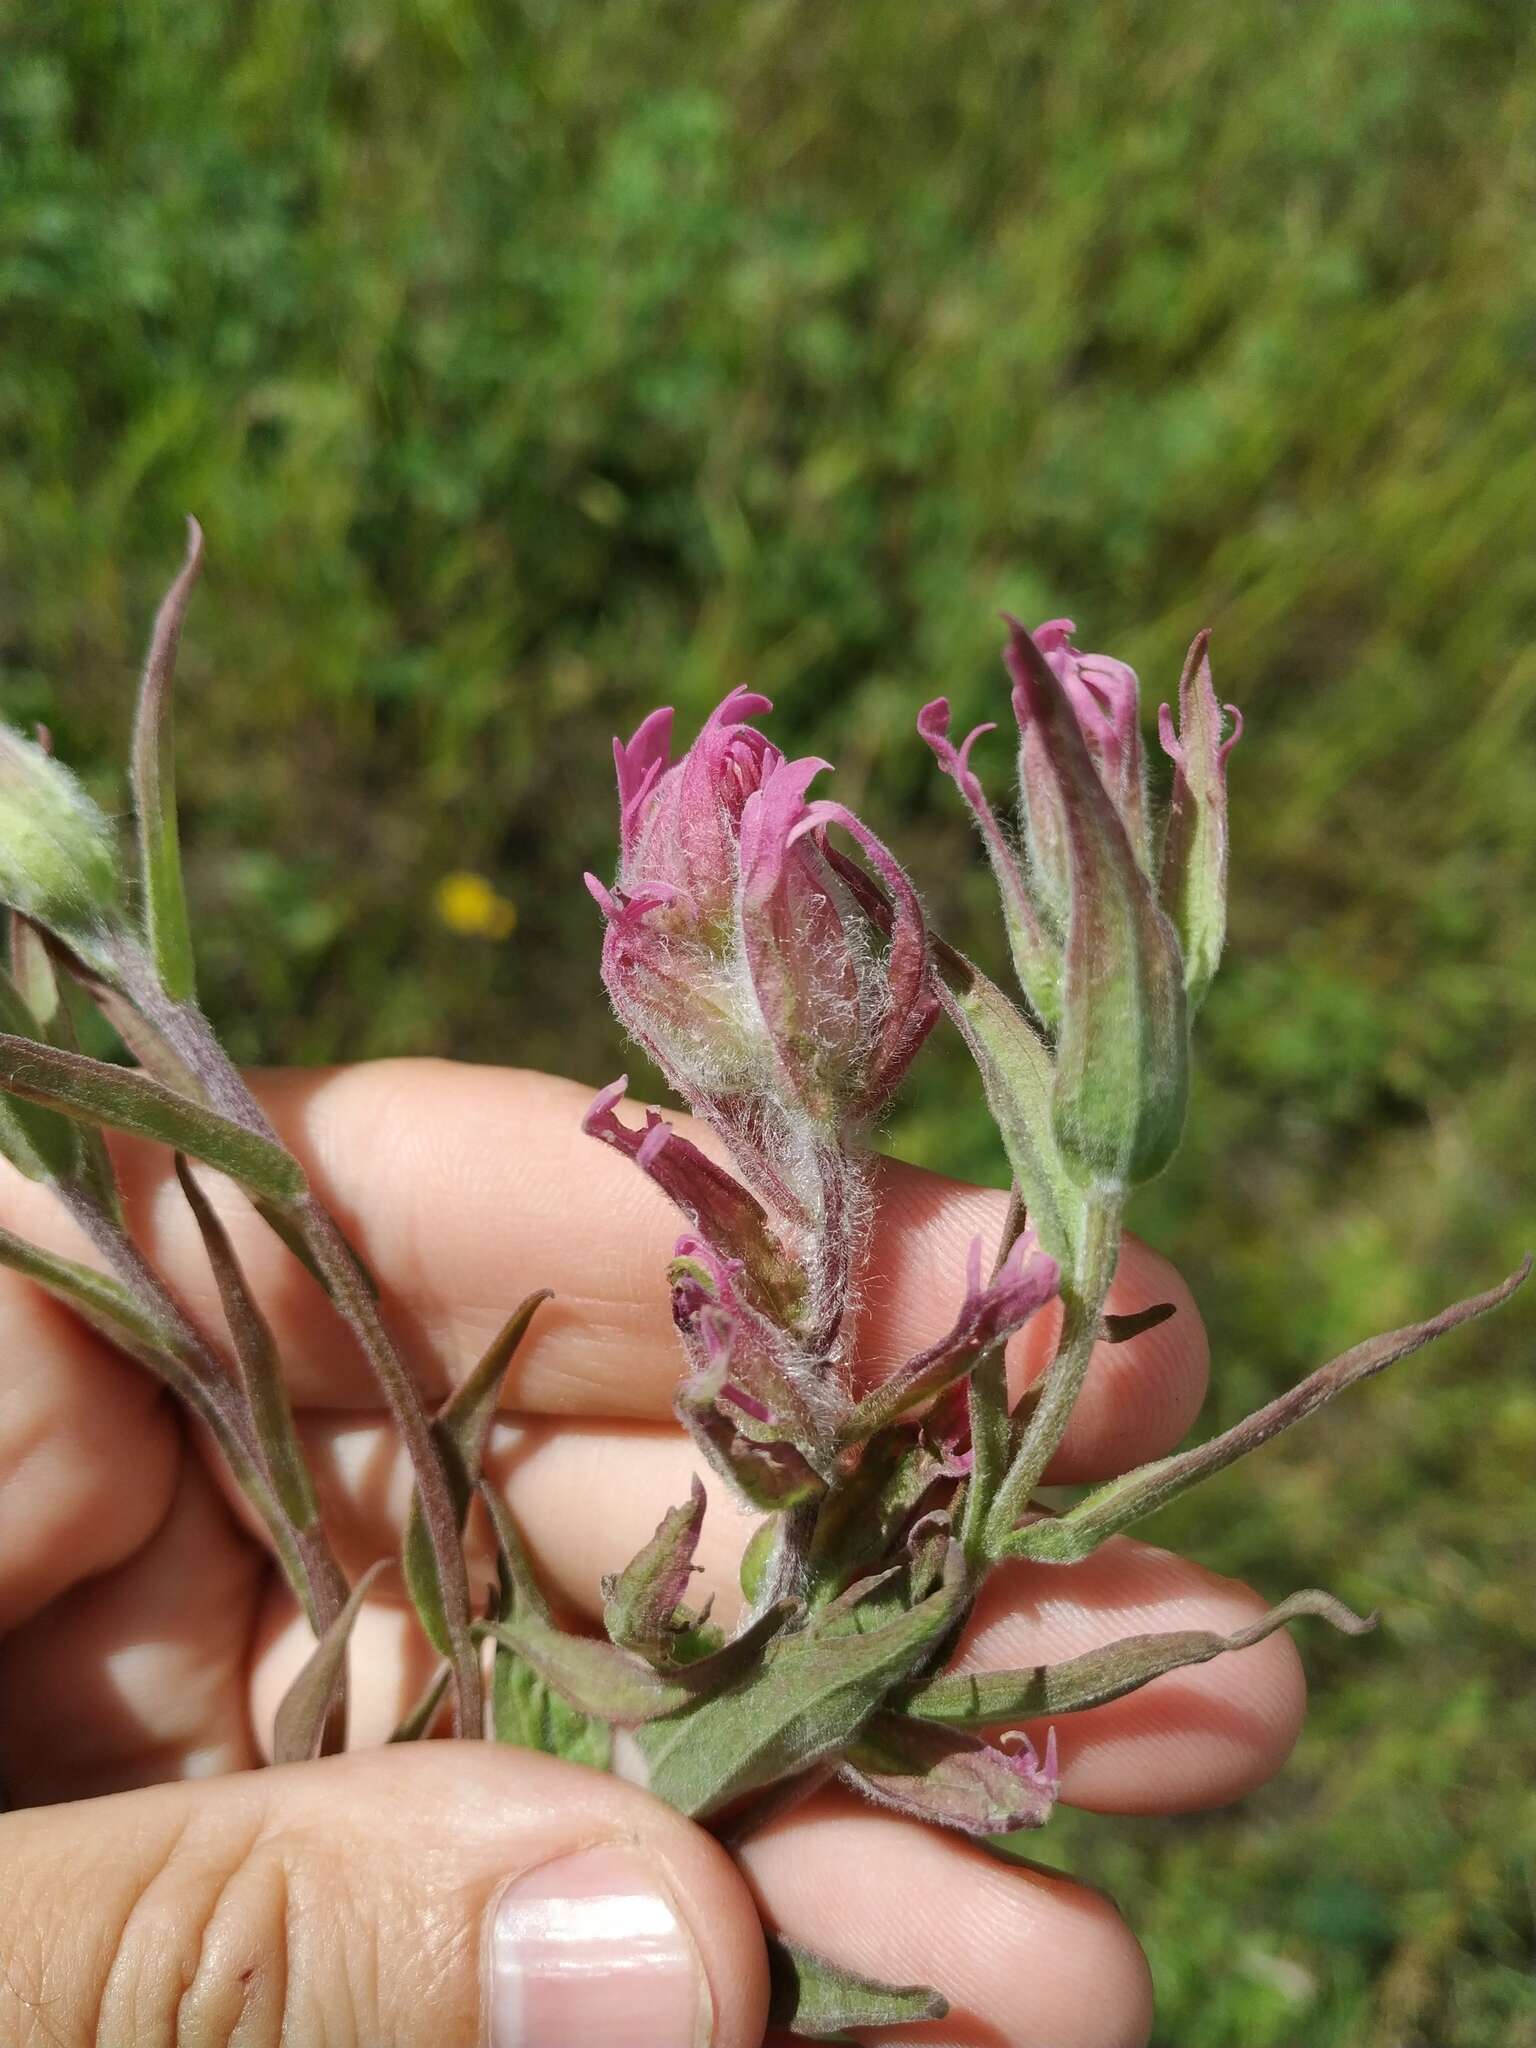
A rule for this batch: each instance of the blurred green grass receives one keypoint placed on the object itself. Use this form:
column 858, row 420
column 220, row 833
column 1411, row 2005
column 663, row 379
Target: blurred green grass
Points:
column 528, row 364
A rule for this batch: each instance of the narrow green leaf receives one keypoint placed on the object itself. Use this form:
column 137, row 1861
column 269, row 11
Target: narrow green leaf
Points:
column 302, row 1715
column 38, row 1142
column 1080, row 1531
column 461, row 1429
column 1017, row 1073
column 261, row 1372
column 104, row 1302
column 154, row 787
column 595, row 1677
column 813, row 1693
column 420, row 1718
column 819, row 2001
column 93, row 1092
column 980, row 1699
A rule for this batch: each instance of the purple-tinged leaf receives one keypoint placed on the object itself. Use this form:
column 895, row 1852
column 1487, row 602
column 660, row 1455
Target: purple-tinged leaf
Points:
column 306, row 1705
column 1122, row 1059
column 644, row 1605
column 92, row 1092
column 990, row 1313
column 819, row 2001
column 1193, row 878
column 814, row 1692
column 936, row 1774
column 745, row 1414
column 1036, row 951
column 982, row 1699
column 732, row 1220
column 907, row 1006
column 597, row 1678
column 460, row 1430
column 261, row 1373
column 1080, row 1531
column 1105, row 699
column 106, row 1304
column 168, row 928
column 416, row 1724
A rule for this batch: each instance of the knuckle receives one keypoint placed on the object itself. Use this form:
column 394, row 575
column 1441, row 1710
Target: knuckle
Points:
column 200, row 1955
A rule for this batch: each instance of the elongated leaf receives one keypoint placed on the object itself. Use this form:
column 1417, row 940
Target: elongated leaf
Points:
column 1139, row 1493
column 981, row 1699
column 812, row 1695
column 519, row 1586
column 461, row 1428
column 104, row 1303
column 154, row 787
column 414, row 1726
column 820, row 2001
column 939, row 1775
column 1017, row 1073
column 93, row 1092
column 261, row 1373
column 302, row 1715
column 598, row 1678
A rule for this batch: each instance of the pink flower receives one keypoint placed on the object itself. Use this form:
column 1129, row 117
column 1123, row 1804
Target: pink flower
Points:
column 735, row 953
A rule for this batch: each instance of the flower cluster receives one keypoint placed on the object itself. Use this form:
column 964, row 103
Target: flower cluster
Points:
column 771, row 955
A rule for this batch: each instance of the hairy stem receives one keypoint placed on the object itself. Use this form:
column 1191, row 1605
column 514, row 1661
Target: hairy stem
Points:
column 1083, row 1303
column 304, row 1554
column 187, row 1032
column 354, row 1299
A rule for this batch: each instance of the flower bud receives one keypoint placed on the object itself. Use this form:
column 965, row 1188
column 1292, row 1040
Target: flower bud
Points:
column 1122, row 1059
column 58, row 864
column 1105, row 699
column 736, row 955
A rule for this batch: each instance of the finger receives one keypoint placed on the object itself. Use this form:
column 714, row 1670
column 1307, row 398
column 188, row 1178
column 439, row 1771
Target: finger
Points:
column 73, row 1417
column 465, row 1187
column 1025, row 1958
column 587, row 1496
column 438, row 1896
column 138, row 1674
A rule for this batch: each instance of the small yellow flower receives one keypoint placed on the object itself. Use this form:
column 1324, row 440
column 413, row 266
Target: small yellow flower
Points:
column 469, row 905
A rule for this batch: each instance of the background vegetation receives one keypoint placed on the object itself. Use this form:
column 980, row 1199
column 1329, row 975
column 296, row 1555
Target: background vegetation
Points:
column 528, row 363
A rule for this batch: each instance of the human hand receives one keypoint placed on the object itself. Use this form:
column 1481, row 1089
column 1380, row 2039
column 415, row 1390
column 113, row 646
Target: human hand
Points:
column 153, row 1894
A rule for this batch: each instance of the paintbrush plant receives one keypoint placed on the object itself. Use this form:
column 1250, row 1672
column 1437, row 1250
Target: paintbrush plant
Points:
column 771, row 955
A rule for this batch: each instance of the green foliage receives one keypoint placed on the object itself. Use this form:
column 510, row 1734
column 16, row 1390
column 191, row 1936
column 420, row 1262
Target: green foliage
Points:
column 531, row 364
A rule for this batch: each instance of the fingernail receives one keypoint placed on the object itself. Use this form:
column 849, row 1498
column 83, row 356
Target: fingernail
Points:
column 588, row 1952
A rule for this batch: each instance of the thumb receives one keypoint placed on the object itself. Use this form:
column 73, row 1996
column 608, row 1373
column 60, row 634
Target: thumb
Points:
column 446, row 1895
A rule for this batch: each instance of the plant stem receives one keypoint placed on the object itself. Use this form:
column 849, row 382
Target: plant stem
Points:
column 353, row 1298
column 189, row 1035
column 202, row 1382
column 1083, row 1305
